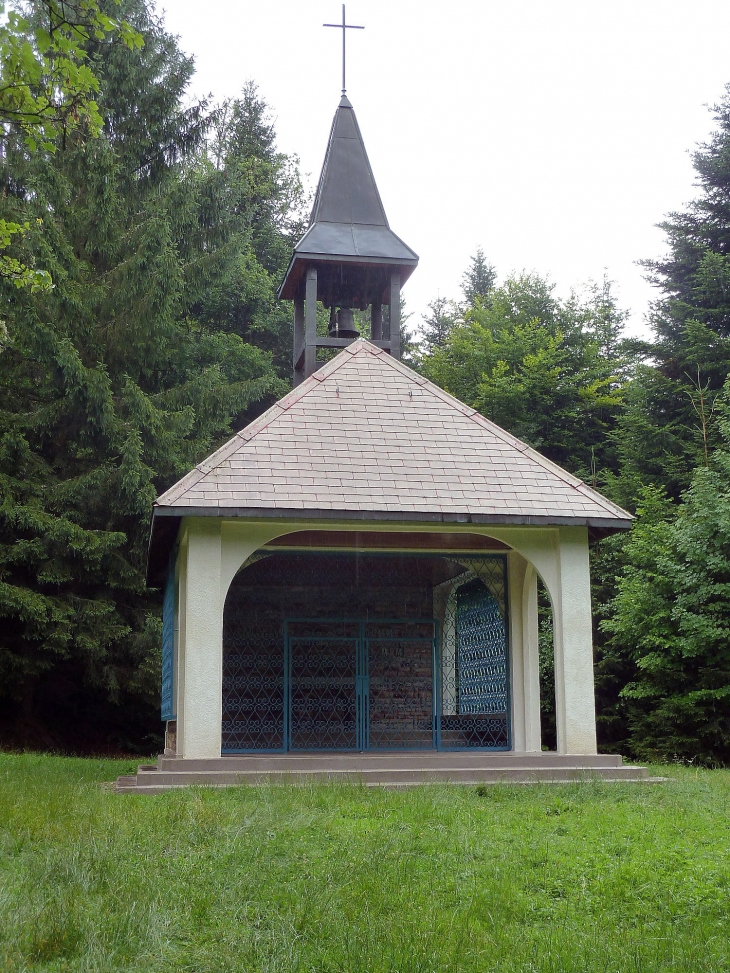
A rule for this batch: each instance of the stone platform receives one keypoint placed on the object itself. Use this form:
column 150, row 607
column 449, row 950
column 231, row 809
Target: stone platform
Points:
column 403, row 769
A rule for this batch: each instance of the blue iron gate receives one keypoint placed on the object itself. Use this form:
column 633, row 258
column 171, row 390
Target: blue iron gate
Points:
column 322, row 688
column 359, row 685
column 323, row 683
column 400, row 659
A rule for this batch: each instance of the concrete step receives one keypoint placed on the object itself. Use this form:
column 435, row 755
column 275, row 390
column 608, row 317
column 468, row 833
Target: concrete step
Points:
column 305, row 762
column 156, row 781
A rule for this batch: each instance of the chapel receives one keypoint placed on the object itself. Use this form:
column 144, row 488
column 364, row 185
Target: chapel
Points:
column 351, row 582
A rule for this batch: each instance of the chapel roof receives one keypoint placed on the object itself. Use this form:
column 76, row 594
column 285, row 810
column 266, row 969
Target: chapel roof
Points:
column 348, row 221
column 366, row 437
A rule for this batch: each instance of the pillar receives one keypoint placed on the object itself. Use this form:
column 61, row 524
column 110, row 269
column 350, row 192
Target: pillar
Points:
column 561, row 558
column 395, row 314
column 531, row 661
column 199, row 724
column 298, row 339
column 524, row 655
column 573, row 633
column 310, row 323
column 376, row 321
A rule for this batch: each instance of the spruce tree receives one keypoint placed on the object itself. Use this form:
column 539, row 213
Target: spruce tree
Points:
column 670, row 619
column 478, row 280
column 667, row 429
column 436, row 326
column 262, row 216
column 123, row 376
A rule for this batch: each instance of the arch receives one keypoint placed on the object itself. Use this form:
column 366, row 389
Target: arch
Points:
column 474, row 636
column 383, row 608
column 216, row 550
column 538, row 546
column 241, row 539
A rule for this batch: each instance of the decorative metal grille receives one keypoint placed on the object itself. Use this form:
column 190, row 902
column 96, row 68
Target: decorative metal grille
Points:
column 481, row 657
column 474, row 657
column 253, row 697
column 314, row 660
column 400, row 696
column 167, row 707
column 323, row 689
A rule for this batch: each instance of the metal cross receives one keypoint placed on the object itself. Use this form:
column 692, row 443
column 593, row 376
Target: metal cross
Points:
column 343, row 27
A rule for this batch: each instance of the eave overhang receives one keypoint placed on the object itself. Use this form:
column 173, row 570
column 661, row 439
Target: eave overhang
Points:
column 166, row 522
column 293, row 283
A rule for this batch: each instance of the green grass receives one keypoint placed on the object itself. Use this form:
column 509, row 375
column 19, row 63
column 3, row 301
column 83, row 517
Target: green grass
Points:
column 616, row 878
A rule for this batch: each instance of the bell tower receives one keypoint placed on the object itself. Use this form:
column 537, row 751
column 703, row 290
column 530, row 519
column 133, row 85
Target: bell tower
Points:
column 349, row 259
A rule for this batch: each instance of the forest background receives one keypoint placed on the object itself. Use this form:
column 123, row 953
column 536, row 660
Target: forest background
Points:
column 142, row 238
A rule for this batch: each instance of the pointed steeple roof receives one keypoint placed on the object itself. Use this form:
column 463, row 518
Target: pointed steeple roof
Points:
column 324, row 451
column 347, row 192
column 348, row 222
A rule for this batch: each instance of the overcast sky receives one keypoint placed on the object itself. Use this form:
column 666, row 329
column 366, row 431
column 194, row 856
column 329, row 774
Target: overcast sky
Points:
column 555, row 134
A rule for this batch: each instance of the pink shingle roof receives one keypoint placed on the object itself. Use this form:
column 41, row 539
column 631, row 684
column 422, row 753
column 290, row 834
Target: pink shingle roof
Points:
column 367, row 435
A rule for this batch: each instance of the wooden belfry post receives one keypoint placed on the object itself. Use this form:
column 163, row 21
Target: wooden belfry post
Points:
column 307, row 341
column 349, row 259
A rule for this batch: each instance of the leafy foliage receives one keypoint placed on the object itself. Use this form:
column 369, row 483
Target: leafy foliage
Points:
column 47, row 89
column 665, row 433
column 13, row 269
column 552, row 372
column 671, row 615
column 47, row 85
column 163, row 236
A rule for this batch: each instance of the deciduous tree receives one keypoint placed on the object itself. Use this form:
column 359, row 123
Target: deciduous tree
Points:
column 48, row 89
column 542, row 368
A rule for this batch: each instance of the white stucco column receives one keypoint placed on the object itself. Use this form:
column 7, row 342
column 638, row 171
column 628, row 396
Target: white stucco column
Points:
column 574, row 687
column 516, row 566
column 202, row 656
column 531, row 661
column 211, row 552
column 560, row 556
column 524, row 656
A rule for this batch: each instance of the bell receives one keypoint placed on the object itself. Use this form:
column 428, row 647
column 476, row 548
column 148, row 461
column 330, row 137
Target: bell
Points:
column 332, row 326
column 346, row 324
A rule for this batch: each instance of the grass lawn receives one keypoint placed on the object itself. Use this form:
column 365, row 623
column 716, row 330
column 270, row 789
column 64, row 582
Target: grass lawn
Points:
column 617, row 878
